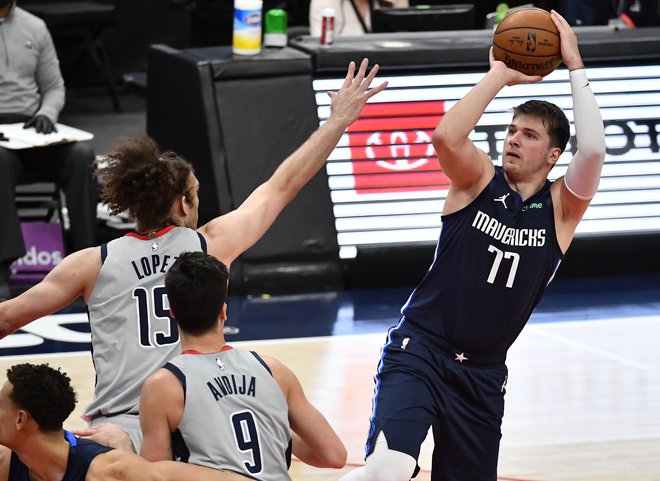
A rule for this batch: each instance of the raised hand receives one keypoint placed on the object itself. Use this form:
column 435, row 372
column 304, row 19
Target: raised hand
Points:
column 347, row 103
column 511, row 76
column 570, row 54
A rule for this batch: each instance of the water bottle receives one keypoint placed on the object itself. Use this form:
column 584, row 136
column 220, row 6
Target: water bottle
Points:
column 275, row 28
column 247, row 27
column 327, row 27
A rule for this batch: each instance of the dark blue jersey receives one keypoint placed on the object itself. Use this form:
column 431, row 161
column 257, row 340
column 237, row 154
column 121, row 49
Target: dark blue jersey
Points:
column 493, row 261
column 81, row 454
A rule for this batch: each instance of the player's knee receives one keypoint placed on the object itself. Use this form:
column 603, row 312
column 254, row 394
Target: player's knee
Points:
column 389, row 466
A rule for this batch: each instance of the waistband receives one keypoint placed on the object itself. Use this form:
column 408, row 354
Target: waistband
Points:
column 456, row 354
column 97, row 415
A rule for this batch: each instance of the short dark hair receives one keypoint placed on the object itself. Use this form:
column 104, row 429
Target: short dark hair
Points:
column 196, row 286
column 553, row 119
column 44, row 392
column 137, row 177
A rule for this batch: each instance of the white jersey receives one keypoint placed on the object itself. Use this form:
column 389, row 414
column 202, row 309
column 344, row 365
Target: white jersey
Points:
column 235, row 416
column 133, row 334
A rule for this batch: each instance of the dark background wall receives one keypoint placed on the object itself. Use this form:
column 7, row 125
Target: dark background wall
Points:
column 198, row 23
column 177, row 23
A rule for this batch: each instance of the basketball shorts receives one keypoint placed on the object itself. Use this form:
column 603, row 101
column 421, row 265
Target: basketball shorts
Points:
column 130, row 424
column 421, row 383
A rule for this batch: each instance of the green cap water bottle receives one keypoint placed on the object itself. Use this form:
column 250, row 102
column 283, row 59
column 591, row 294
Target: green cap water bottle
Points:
column 500, row 12
column 275, row 27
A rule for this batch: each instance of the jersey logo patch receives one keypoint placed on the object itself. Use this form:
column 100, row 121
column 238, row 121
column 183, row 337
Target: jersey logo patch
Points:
column 220, row 364
column 404, row 343
column 155, row 247
column 461, row 357
column 502, row 199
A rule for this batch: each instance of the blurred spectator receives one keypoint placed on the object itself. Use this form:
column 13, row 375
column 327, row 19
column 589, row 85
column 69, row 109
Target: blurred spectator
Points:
column 642, row 13
column 352, row 17
column 32, row 91
column 588, row 12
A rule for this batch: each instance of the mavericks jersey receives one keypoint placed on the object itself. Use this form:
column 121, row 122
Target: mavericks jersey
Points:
column 493, row 261
column 133, row 334
column 81, row 454
column 235, row 415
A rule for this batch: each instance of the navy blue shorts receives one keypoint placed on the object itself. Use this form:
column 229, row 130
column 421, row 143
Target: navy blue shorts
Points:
column 419, row 384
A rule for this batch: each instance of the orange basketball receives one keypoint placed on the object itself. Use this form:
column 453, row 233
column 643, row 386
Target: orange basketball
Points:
column 527, row 40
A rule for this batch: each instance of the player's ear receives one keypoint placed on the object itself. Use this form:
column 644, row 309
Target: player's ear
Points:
column 185, row 208
column 22, row 418
column 553, row 156
column 223, row 312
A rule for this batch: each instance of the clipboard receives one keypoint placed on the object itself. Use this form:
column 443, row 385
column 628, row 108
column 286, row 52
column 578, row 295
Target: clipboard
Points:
column 20, row 138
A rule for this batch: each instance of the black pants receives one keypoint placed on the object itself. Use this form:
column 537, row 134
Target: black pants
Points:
column 70, row 167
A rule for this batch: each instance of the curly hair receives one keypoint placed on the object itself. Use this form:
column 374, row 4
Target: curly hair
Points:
column 140, row 179
column 44, row 392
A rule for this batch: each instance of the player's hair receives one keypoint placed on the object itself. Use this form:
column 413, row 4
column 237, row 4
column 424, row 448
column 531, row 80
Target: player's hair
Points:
column 196, row 286
column 140, row 179
column 553, row 118
column 44, row 392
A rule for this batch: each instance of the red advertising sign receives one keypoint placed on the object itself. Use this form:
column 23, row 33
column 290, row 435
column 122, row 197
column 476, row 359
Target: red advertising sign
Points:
column 391, row 149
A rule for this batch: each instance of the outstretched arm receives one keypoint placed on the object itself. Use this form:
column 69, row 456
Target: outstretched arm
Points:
column 75, row 276
column 119, row 465
column 230, row 235
column 583, row 174
column 314, row 441
column 5, row 458
column 467, row 166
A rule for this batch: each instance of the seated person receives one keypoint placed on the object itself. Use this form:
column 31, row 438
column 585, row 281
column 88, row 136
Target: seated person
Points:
column 33, row 92
column 352, row 17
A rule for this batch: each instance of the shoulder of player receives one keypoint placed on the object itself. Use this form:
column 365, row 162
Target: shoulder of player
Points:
column 5, row 459
column 284, row 376
column 221, row 236
column 162, row 381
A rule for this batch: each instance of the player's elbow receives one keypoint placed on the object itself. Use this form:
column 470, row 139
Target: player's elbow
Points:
column 335, row 457
column 440, row 138
column 593, row 155
column 445, row 141
column 593, row 149
column 5, row 326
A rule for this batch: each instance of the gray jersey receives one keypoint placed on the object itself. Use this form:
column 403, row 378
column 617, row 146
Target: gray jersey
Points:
column 133, row 334
column 235, row 415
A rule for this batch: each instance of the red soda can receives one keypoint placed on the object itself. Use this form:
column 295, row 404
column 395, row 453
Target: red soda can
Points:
column 328, row 26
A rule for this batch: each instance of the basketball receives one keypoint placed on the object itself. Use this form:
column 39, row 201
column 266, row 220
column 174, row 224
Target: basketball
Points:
column 527, row 40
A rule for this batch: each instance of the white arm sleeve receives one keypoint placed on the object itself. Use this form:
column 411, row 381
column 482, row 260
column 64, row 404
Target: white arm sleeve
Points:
column 583, row 173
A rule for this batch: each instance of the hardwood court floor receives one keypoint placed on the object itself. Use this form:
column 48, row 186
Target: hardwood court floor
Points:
column 582, row 403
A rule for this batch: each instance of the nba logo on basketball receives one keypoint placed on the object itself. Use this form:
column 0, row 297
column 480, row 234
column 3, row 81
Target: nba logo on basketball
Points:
column 531, row 41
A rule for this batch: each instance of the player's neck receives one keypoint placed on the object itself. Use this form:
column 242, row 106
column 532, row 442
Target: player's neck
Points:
column 204, row 344
column 46, row 457
column 527, row 187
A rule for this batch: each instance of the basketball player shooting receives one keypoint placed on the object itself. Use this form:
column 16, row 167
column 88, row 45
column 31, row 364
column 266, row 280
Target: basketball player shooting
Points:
column 504, row 232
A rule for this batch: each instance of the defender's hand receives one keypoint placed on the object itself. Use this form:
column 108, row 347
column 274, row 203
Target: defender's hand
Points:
column 347, row 103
